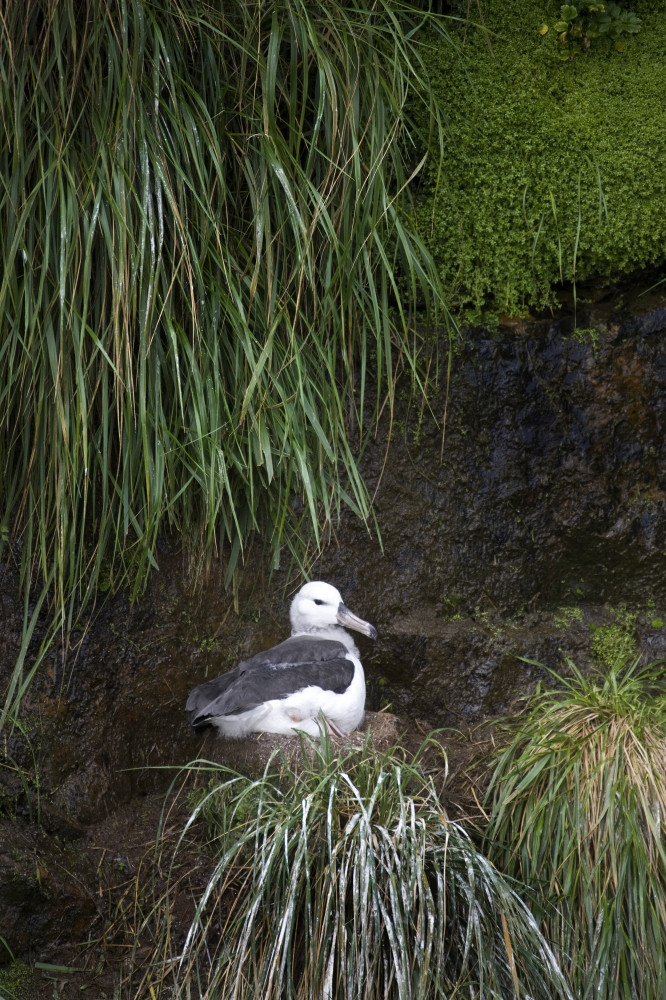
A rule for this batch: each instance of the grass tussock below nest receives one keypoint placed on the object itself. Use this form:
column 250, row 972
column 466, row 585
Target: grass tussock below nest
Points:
column 343, row 877
column 338, row 869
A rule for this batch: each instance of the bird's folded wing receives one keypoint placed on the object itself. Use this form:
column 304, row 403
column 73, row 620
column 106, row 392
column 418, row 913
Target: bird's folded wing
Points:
column 299, row 662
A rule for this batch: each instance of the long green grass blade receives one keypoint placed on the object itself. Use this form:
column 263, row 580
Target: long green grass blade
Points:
column 577, row 805
column 208, row 277
column 341, row 877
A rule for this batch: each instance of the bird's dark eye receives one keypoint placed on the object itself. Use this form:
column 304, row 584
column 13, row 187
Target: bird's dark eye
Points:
column 317, row 601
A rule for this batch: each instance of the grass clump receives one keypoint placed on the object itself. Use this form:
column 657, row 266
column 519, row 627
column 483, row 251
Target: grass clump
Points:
column 551, row 171
column 344, row 878
column 202, row 215
column 577, row 804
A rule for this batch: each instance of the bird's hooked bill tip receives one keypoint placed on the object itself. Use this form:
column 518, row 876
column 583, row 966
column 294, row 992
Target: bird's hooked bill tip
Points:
column 350, row 620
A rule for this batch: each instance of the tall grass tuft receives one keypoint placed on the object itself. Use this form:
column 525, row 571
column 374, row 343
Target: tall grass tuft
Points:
column 344, row 878
column 578, row 805
column 205, row 262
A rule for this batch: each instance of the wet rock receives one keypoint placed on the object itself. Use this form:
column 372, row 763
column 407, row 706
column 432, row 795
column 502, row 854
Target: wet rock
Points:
column 551, row 494
column 44, row 895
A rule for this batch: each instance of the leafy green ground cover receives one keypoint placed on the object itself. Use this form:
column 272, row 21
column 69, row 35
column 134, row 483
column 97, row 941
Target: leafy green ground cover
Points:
column 553, row 170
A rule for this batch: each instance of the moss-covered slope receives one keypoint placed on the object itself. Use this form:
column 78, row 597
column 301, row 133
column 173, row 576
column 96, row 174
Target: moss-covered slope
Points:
column 553, row 170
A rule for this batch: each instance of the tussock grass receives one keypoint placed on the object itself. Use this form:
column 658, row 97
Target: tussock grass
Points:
column 202, row 224
column 343, row 878
column 578, row 801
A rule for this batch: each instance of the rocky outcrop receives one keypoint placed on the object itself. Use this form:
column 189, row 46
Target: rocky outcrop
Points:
column 538, row 531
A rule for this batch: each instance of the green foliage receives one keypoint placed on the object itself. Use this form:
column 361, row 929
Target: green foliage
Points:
column 593, row 23
column 550, row 172
column 15, row 979
column 577, row 803
column 202, row 215
column 567, row 616
column 343, row 877
column 615, row 643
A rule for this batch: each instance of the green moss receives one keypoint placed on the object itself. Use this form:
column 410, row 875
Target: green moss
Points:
column 587, row 335
column 452, row 607
column 553, row 170
column 14, row 980
column 566, row 616
column 615, row 643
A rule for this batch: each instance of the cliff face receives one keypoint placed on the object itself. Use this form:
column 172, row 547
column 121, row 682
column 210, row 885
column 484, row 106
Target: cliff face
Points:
column 544, row 521
column 538, row 533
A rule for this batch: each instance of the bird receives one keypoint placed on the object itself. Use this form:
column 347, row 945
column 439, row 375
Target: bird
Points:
column 312, row 679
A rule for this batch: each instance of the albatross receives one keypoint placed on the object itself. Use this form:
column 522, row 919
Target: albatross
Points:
column 314, row 676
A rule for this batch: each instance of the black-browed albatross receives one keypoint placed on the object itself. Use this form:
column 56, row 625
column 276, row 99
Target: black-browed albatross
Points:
column 317, row 671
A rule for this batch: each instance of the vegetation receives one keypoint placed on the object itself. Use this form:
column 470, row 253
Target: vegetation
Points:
column 552, row 171
column 577, row 805
column 593, row 24
column 209, row 283
column 15, row 980
column 615, row 643
column 202, row 216
column 343, row 878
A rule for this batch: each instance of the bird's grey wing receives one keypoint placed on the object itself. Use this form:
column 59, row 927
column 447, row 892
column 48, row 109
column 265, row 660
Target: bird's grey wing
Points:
column 296, row 663
column 200, row 696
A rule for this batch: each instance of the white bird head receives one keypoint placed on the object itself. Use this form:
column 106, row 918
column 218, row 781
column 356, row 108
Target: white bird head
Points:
column 318, row 605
